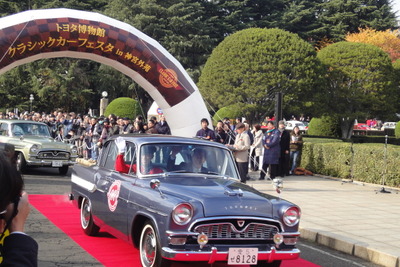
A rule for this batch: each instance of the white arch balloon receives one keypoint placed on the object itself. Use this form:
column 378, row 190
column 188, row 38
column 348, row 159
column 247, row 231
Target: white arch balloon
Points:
column 50, row 33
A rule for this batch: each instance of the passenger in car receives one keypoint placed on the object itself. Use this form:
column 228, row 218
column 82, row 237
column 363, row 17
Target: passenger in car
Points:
column 146, row 157
column 199, row 156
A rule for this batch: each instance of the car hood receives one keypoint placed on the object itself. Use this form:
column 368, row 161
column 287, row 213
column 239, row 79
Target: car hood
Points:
column 220, row 196
column 44, row 142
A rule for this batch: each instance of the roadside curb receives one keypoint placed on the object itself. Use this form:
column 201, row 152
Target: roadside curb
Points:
column 349, row 246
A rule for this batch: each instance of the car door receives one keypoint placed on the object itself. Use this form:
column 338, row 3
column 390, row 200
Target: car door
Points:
column 113, row 210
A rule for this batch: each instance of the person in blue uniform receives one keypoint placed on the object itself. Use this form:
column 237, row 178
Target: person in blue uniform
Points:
column 272, row 151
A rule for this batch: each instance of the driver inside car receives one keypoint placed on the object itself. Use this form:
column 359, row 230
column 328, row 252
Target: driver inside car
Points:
column 199, row 156
column 145, row 159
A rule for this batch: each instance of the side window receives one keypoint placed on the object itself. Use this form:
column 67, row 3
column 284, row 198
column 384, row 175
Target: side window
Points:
column 111, row 151
column 130, row 156
column 4, row 129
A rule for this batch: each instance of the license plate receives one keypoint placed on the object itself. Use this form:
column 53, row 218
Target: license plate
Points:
column 56, row 163
column 238, row 256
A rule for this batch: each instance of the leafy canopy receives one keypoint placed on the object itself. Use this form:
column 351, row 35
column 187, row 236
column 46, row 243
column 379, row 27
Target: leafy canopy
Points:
column 250, row 66
column 360, row 82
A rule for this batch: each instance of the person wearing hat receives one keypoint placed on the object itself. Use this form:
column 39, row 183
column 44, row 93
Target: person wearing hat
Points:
column 105, row 132
column 241, row 151
column 126, row 125
column 272, row 151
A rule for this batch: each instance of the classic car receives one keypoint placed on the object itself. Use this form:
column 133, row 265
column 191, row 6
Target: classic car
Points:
column 35, row 147
column 291, row 124
column 181, row 199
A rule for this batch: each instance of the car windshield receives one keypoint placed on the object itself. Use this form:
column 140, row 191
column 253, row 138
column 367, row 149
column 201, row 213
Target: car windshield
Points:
column 19, row 129
column 186, row 158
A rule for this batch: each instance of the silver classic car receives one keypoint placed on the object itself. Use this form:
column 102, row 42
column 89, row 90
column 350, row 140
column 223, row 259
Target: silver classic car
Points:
column 35, row 147
column 181, row 199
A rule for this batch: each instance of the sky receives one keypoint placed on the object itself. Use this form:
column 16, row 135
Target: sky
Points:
column 396, row 7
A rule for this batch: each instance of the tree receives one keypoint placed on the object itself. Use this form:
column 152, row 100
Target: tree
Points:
column 388, row 41
column 338, row 17
column 360, row 83
column 123, row 107
column 250, row 66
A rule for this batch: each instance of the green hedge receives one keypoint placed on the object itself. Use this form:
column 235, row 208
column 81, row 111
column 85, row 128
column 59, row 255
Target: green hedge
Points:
column 123, row 107
column 360, row 162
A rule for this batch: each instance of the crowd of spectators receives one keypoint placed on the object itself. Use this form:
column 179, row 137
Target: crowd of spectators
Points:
column 87, row 132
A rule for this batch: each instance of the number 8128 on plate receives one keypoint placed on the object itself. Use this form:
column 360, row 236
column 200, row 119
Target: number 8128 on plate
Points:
column 239, row 256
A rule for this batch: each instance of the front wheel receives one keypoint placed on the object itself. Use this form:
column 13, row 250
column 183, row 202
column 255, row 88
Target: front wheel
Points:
column 266, row 264
column 21, row 162
column 87, row 224
column 150, row 248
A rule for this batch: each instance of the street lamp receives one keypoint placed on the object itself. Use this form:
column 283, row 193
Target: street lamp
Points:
column 31, row 98
column 103, row 102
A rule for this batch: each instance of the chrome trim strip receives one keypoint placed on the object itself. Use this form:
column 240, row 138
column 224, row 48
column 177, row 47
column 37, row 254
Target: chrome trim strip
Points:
column 215, row 255
column 235, row 218
column 91, row 187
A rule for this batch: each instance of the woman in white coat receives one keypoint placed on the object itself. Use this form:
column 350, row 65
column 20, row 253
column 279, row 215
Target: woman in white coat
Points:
column 256, row 148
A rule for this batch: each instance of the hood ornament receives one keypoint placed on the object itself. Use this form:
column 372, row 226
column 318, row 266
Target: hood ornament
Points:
column 240, row 223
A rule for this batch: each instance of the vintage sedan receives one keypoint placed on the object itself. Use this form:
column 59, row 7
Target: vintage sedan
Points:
column 35, row 147
column 181, row 199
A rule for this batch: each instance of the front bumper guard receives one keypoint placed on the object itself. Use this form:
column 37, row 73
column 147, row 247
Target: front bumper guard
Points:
column 214, row 255
column 48, row 163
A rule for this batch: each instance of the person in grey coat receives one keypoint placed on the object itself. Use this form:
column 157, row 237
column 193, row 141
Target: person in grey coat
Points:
column 272, row 151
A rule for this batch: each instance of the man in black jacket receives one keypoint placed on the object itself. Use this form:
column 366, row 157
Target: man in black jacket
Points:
column 283, row 168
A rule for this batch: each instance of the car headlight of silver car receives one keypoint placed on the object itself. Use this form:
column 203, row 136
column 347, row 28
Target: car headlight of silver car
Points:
column 291, row 216
column 182, row 213
column 34, row 149
column 74, row 150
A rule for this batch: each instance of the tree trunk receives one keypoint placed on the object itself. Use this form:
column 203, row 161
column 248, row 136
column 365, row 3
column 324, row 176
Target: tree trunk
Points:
column 346, row 125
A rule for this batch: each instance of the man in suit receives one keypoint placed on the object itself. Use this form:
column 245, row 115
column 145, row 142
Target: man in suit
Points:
column 198, row 158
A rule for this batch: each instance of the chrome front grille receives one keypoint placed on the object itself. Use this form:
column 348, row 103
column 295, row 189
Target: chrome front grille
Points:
column 53, row 154
column 227, row 231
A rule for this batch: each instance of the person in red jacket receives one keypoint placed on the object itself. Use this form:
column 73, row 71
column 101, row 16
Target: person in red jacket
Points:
column 146, row 157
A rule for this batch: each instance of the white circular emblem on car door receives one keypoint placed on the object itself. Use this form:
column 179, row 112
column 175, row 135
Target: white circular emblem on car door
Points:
column 113, row 194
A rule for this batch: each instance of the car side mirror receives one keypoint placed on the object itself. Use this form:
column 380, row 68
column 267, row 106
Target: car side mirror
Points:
column 154, row 183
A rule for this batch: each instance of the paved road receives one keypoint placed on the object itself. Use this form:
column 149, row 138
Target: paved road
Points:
column 58, row 250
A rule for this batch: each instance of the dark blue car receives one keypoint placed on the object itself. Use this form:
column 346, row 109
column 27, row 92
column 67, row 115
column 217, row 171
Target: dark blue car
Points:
column 181, row 199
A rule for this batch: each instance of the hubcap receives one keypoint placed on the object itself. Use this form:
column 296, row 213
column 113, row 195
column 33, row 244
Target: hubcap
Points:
column 85, row 214
column 149, row 247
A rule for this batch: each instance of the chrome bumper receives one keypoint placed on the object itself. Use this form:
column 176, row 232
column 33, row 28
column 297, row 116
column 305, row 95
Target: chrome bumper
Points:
column 215, row 255
column 48, row 163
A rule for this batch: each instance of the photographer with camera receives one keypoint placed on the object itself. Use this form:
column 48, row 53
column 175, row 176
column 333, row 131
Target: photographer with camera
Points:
column 18, row 249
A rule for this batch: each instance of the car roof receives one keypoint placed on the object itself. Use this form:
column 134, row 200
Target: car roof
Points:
column 160, row 138
column 21, row 121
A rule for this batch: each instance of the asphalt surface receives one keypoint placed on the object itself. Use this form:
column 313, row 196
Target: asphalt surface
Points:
column 351, row 217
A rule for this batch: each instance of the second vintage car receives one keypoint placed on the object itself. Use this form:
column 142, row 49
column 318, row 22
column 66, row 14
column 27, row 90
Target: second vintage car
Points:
column 35, row 147
column 181, row 199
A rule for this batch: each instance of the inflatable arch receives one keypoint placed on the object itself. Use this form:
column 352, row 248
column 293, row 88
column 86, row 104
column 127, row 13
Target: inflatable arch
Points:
column 37, row 34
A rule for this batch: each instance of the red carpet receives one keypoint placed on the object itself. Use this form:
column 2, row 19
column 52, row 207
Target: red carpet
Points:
column 105, row 248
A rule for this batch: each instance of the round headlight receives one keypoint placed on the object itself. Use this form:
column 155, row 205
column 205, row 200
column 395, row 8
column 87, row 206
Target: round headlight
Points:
column 34, row 149
column 182, row 213
column 291, row 216
column 74, row 150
